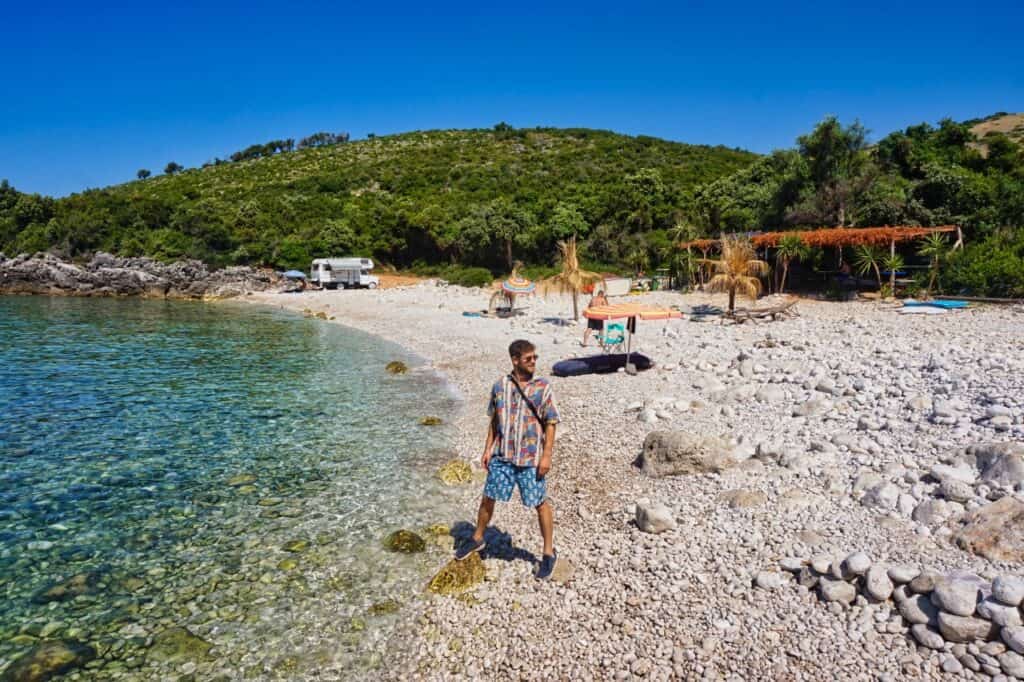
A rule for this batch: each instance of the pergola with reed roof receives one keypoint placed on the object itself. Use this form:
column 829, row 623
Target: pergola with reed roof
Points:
column 836, row 237
column 840, row 237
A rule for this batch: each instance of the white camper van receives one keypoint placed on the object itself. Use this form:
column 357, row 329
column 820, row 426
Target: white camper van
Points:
column 345, row 272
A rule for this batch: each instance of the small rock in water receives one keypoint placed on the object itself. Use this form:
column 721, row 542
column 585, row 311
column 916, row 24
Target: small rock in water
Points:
column 405, row 541
column 48, row 660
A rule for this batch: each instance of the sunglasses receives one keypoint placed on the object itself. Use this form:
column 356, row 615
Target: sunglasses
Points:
column 529, row 358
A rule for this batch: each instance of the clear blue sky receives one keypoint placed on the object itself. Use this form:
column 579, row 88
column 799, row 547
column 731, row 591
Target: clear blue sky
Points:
column 91, row 93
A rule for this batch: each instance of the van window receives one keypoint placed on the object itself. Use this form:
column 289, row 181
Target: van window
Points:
column 364, row 272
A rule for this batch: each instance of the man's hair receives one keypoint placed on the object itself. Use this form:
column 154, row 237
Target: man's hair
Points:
column 600, row 292
column 518, row 347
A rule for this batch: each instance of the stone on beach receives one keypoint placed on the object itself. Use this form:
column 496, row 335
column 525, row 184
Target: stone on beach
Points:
column 959, row 597
column 458, row 576
column 654, row 517
column 877, row 583
column 1008, row 589
column 965, row 628
column 927, row 637
column 832, row 589
column 670, row 453
column 919, row 608
column 995, row 531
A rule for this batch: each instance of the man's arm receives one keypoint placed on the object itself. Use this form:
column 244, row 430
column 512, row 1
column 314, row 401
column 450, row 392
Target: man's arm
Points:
column 544, row 466
column 492, row 433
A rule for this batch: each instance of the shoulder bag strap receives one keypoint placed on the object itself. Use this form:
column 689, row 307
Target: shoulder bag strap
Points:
column 533, row 408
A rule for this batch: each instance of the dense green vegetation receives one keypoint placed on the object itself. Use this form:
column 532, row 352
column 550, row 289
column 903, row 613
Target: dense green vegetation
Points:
column 483, row 198
column 923, row 175
column 480, row 197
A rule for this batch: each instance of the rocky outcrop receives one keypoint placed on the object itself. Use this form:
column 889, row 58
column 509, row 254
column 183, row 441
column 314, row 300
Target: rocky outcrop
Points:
column 669, row 453
column 995, row 531
column 107, row 275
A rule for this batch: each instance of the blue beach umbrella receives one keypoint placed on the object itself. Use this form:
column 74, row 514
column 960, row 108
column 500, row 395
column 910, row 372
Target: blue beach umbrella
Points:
column 294, row 274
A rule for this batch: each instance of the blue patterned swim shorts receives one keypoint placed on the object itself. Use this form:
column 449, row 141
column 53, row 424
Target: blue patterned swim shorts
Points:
column 502, row 476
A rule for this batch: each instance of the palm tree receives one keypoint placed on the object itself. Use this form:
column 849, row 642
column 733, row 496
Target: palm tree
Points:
column 571, row 280
column 639, row 259
column 866, row 259
column 934, row 249
column 738, row 271
column 892, row 262
column 790, row 248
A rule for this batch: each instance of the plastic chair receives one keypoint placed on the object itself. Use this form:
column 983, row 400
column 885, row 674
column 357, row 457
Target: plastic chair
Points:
column 612, row 338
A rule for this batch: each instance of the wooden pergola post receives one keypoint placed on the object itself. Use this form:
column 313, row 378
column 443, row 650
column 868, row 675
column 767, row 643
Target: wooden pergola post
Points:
column 892, row 270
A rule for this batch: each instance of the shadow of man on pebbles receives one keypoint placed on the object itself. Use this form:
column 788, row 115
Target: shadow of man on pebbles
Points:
column 499, row 543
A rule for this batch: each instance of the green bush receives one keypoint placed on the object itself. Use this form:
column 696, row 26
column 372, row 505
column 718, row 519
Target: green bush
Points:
column 994, row 267
column 467, row 277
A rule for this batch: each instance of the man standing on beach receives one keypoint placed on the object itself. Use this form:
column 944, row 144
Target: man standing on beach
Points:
column 520, row 439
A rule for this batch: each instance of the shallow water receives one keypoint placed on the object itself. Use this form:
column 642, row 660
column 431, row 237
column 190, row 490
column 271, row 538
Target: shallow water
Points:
column 170, row 450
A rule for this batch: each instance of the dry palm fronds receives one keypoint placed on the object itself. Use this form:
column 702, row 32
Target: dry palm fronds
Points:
column 737, row 271
column 571, row 280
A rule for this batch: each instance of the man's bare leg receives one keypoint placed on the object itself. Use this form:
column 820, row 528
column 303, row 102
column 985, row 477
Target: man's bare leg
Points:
column 546, row 517
column 483, row 517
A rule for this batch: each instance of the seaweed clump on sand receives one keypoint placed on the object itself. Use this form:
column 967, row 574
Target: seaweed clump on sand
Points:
column 396, row 367
column 458, row 576
column 431, row 421
column 455, row 472
column 405, row 541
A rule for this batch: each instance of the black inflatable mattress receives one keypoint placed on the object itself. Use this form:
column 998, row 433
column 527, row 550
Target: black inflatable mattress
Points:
column 599, row 364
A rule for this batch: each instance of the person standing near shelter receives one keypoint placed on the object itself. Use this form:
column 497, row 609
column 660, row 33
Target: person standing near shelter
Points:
column 594, row 325
column 520, row 440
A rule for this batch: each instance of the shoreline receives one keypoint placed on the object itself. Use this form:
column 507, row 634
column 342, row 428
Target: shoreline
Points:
column 683, row 604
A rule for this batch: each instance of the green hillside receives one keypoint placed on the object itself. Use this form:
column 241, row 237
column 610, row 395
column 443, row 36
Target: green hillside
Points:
column 468, row 196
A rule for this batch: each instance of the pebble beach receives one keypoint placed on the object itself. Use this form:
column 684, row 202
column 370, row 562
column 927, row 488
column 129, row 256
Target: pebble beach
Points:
column 840, row 494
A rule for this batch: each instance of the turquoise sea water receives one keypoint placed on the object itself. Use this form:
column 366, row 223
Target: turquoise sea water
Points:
column 225, row 468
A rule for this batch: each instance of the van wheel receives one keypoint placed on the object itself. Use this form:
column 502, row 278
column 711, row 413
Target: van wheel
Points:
column 371, row 285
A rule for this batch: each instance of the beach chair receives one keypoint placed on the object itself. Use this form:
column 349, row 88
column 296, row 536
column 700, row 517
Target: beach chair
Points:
column 612, row 338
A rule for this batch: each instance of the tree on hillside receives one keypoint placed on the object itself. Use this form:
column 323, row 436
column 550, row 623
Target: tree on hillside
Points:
column 142, row 174
column 566, row 221
column 173, row 168
column 645, row 190
column 837, row 162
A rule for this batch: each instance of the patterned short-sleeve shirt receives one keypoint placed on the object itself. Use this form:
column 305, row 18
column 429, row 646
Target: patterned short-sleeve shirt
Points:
column 520, row 438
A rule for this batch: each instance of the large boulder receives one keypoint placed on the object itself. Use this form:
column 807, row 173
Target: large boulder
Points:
column 999, row 463
column 669, row 453
column 995, row 531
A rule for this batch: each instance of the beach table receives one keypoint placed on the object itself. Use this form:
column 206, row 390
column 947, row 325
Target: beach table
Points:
column 630, row 312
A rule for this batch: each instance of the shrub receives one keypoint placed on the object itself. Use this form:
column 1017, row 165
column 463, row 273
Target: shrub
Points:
column 468, row 277
column 994, row 267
